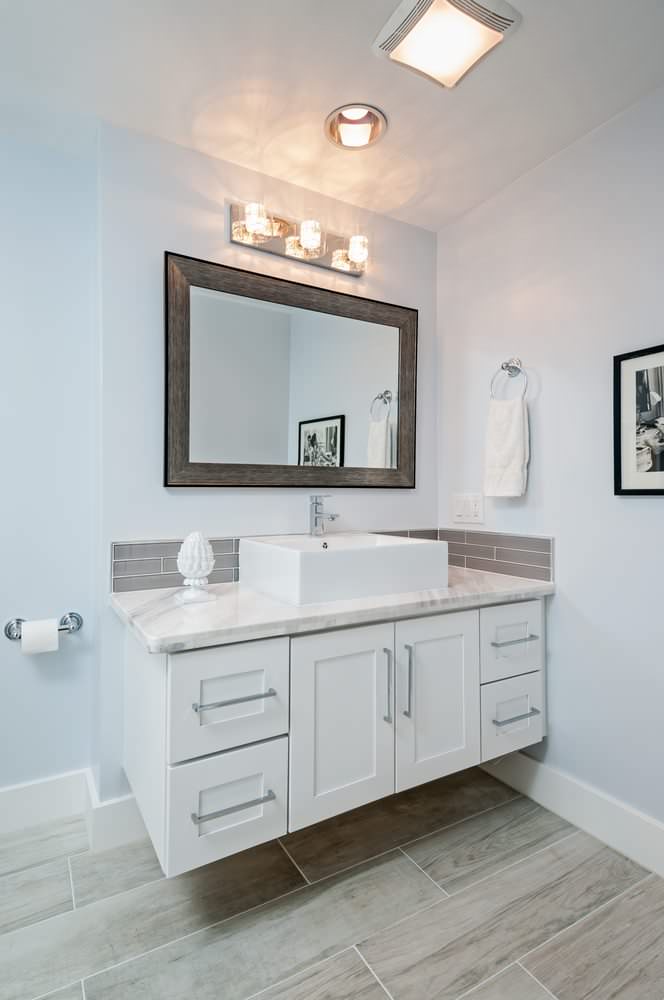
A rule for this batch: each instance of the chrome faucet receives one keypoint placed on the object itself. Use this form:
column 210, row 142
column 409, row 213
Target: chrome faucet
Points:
column 317, row 514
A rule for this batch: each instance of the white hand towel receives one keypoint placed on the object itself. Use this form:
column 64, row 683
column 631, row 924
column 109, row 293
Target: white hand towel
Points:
column 507, row 448
column 377, row 449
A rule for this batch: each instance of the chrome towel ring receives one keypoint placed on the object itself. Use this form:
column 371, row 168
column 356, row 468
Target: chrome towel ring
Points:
column 382, row 397
column 512, row 368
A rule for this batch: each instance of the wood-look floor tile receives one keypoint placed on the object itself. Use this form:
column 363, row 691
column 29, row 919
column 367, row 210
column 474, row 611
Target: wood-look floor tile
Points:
column 345, row 977
column 355, row 836
column 615, row 953
column 35, row 845
column 49, row 955
column 259, row 949
column 34, row 894
column 68, row 993
column 451, row 947
column 469, row 851
column 513, row 984
column 97, row 875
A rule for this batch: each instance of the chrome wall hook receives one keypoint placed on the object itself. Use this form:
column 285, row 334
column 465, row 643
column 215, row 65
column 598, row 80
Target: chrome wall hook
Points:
column 71, row 622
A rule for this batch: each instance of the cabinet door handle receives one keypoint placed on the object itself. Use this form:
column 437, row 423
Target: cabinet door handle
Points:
column 516, row 718
column 514, row 642
column 268, row 797
column 270, row 693
column 389, row 656
column 408, row 711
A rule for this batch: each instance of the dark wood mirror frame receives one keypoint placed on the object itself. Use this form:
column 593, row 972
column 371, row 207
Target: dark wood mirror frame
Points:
column 181, row 274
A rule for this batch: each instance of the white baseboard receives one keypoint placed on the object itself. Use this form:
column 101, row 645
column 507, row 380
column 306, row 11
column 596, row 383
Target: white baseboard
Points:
column 114, row 822
column 633, row 833
column 110, row 824
column 44, row 801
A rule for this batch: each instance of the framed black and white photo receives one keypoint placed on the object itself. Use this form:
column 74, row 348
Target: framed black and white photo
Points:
column 638, row 422
column 321, row 442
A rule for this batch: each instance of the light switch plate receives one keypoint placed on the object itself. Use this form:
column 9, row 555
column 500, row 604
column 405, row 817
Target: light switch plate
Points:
column 468, row 508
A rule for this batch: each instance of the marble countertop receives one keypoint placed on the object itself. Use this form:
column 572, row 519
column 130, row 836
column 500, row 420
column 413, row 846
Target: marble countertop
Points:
column 239, row 614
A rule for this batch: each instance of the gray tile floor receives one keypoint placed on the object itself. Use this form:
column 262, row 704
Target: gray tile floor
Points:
column 456, row 889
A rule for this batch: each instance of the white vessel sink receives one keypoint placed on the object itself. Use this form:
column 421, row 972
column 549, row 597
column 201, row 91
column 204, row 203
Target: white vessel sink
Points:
column 302, row 569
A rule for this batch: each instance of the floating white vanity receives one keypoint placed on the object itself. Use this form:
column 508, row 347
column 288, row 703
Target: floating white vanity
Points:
column 246, row 718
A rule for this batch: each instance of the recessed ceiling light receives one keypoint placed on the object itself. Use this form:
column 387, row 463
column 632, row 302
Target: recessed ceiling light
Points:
column 443, row 39
column 355, row 126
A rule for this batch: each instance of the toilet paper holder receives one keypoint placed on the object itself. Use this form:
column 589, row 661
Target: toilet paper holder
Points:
column 71, row 622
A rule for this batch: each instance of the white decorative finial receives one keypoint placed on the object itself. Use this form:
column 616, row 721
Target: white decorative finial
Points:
column 195, row 562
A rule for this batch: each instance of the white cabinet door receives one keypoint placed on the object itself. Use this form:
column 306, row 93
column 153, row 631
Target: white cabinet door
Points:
column 342, row 722
column 438, row 697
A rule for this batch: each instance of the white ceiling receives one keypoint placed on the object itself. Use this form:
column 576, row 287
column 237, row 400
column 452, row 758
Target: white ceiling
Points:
column 252, row 82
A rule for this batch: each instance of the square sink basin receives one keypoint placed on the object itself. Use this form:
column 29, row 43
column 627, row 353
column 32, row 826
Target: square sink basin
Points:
column 303, row 569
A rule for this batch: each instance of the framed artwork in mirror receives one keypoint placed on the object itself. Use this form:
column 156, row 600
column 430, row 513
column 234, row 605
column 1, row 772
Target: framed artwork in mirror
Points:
column 321, row 441
column 638, row 422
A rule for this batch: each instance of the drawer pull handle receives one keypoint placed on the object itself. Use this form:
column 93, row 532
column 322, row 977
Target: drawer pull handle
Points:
column 408, row 711
column 388, row 716
column 270, row 693
column 268, row 797
column 516, row 718
column 514, row 642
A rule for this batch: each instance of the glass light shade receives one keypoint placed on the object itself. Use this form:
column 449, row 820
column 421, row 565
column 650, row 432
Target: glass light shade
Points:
column 293, row 247
column 310, row 234
column 358, row 249
column 256, row 219
column 354, row 114
column 355, row 133
column 445, row 43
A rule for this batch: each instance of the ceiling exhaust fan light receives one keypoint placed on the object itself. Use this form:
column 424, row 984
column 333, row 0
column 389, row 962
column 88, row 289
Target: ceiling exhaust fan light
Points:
column 443, row 39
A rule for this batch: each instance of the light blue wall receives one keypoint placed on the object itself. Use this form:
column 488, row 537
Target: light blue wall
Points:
column 48, row 419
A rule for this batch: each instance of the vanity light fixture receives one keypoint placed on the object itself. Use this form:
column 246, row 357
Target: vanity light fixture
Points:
column 443, row 39
column 253, row 225
column 355, row 126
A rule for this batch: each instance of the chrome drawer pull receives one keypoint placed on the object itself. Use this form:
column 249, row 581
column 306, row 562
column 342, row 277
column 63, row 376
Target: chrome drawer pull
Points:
column 270, row 693
column 388, row 716
column 268, row 797
column 408, row 711
column 514, row 642
column 517, row 718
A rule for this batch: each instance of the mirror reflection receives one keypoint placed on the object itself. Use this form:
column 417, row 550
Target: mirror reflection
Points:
column 280, row 385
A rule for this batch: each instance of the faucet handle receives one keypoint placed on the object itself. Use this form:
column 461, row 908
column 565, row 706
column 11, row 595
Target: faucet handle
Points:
column 317, row 497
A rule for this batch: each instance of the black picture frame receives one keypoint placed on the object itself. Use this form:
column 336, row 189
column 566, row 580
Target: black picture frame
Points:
column 181, row 273
column 619, row 362
column 338, row 419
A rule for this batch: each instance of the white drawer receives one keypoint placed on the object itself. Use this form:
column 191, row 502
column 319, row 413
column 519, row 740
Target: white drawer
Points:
column 511, row 640
column 246, row 689
column 520, row 699
column 242, row 792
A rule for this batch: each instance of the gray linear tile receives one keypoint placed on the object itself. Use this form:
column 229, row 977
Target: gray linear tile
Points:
column 469, row 851
column 523, row 557
column 509, row 541
column 615, row 954
column 136, row 567
column 229, row 561
column 400, row 534
column 223, row 546
column 145, row 550
column 345, row 977
column 479, row 551
column 510, row 569
column 452, row 535
column 122, row 585
column 239, row 957
column 35, row 845
column 430, row 533
column 465, row 939
column 355, row 836
column 456, row 561
column 513, row 984
column 49, row 955
column 101, row 874
column 34, row 894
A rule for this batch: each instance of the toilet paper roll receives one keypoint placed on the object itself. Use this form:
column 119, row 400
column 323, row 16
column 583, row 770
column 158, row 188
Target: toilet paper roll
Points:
column 40, row 636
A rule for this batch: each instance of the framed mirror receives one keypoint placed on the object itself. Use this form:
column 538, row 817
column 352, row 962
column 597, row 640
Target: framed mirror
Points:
column 274, row 383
